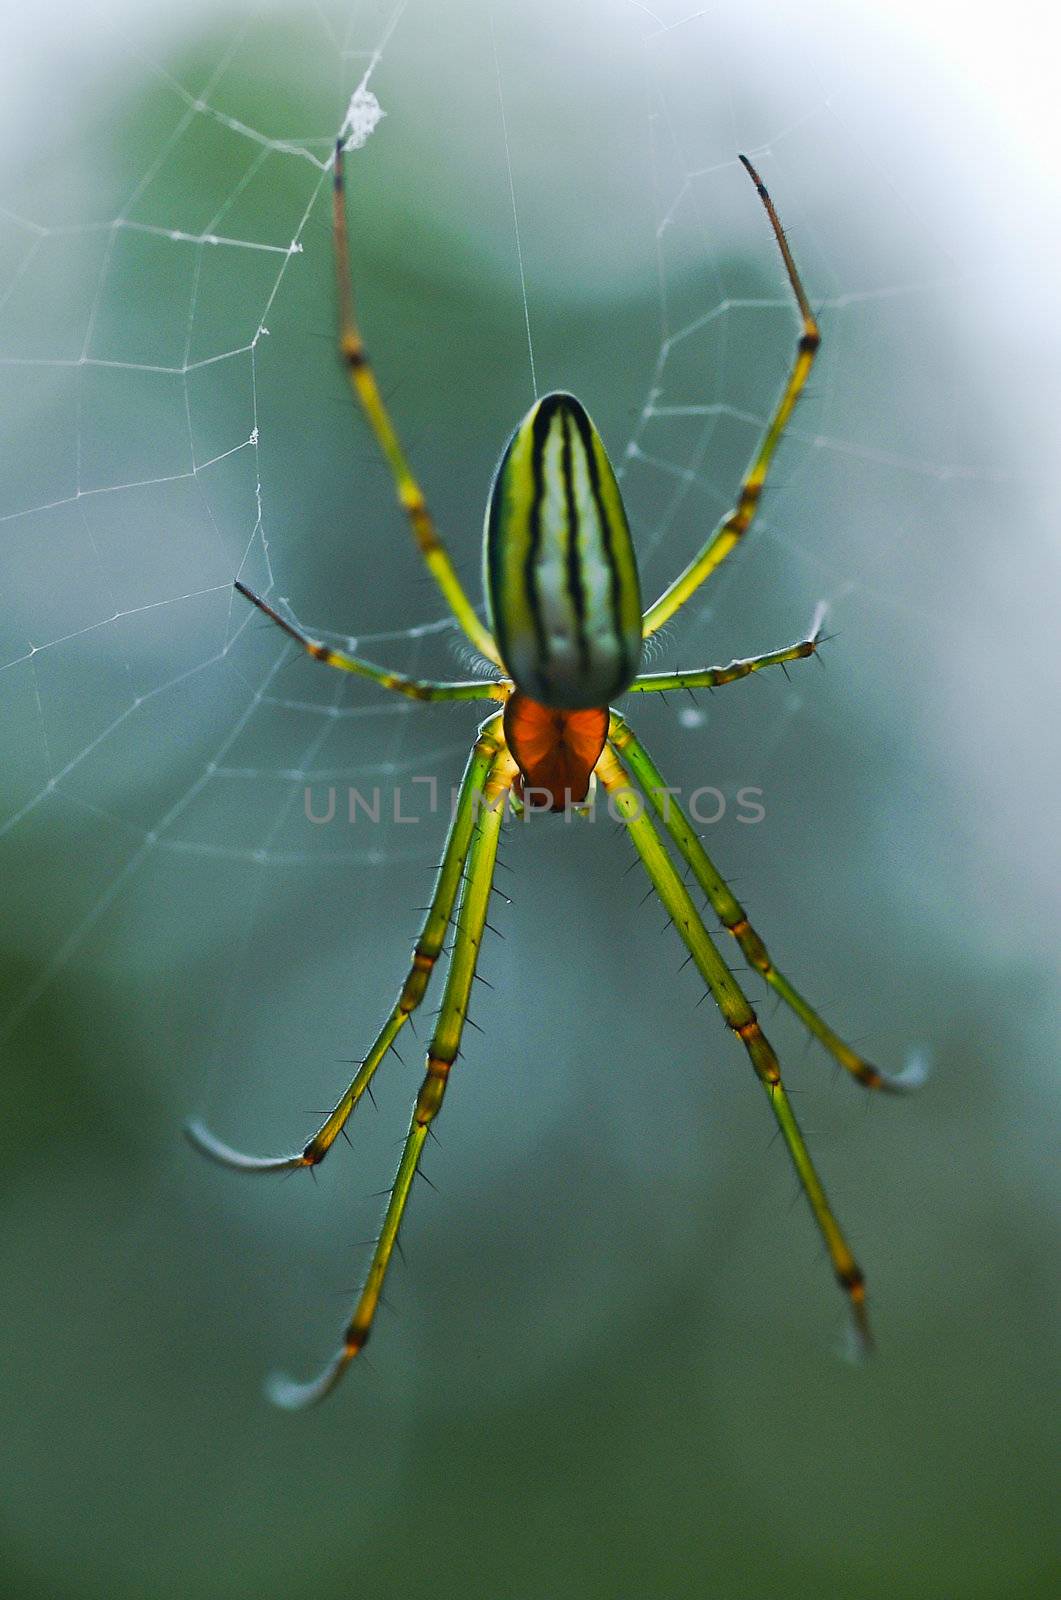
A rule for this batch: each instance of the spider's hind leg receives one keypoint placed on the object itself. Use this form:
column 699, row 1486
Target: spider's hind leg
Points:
column 441, row 1054
column 741, row 1019
column 425, row 955
column 734, row 918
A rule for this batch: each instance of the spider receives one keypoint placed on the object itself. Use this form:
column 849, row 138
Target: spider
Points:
column 565, row 637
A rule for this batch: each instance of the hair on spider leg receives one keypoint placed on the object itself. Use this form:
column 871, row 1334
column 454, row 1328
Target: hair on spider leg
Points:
column 464, row 652
column 774, row 1137
column 793, row 1094
column 385, row 1302
column 817, row 652
column 808, row 1044
column 657, row 643
column 369, row 1363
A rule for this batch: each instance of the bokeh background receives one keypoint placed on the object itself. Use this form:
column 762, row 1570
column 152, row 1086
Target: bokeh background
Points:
column 608, row 1362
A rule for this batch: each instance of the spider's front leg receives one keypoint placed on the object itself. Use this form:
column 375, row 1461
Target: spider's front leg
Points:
column 366, row 390
column 426, row 952
column 441, row 1054
column 732, row 529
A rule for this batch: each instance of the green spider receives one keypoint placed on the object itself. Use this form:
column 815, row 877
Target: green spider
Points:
column 566, row 634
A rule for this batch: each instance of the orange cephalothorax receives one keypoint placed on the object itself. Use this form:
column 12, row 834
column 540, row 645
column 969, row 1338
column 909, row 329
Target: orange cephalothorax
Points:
column 556, row 750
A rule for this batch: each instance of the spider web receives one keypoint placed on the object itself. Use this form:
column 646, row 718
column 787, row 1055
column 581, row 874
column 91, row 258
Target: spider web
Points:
column 165, row 352
column 193, row 477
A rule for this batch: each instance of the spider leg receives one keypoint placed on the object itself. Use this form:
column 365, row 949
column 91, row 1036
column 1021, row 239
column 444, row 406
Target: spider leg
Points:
column 414, row 688
column 740, row 1017
column 410, row 495
column 733, row 917
column 733, row 527
column 441, row 1054
column 712, row 677
column 425, row 955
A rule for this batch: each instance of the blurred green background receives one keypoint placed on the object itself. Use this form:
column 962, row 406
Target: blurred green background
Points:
column 607, row 1364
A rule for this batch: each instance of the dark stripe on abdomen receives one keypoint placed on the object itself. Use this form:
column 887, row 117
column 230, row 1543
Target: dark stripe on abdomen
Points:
column 494, row 552
column 539, row 438
column 574, row 564
column 615, row 588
